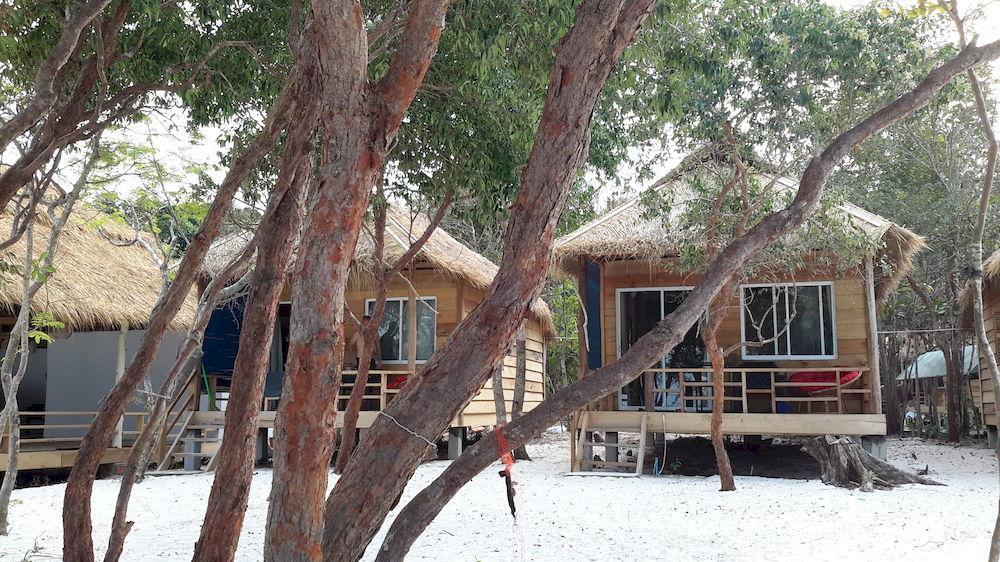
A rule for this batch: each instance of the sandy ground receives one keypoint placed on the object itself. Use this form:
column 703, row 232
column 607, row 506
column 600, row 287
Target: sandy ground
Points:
column 564, row 517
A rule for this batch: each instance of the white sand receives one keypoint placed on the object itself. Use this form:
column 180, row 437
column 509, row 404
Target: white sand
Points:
column 590, row 518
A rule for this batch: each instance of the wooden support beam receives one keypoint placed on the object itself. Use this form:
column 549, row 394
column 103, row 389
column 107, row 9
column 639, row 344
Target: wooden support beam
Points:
column 411, row 326
column 872, row 324
column 738, row 424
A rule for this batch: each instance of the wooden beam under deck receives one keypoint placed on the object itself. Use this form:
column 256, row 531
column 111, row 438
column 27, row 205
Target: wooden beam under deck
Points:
column 37, row 460
column 266, row 419
column 740, row 424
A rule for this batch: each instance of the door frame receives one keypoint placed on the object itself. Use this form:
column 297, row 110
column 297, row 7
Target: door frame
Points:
column 618, row 329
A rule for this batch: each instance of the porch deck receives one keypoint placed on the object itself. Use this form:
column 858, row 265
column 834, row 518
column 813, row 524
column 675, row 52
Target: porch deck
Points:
column 757, row 401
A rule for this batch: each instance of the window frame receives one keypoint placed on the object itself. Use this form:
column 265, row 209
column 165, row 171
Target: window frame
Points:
column 791, row 356
column 432, row 304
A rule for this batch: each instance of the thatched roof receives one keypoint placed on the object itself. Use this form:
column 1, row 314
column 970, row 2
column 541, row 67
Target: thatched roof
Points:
column 627, row 232
column 101, row 281
column 442, row 251
column 991, row 282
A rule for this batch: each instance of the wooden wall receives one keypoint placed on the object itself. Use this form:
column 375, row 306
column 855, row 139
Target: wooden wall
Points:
column 983, row 393
column 430, row 282
column 849, row 301
column 481, row 410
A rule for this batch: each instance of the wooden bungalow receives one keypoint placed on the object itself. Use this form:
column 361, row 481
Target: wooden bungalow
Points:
column 983, row 393
column 425, row 304
column 812, row 373
column 103, row 289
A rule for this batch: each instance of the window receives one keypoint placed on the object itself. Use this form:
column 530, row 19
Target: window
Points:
column 394, row 329
column 788, row 321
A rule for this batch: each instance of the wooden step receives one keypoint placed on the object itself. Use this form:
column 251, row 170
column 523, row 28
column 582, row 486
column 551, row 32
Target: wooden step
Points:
column 605, row 444
column 609, row 464
column 202, row 439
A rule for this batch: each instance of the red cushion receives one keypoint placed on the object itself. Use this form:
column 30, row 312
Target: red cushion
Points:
column 396, row 381
column 846, row 377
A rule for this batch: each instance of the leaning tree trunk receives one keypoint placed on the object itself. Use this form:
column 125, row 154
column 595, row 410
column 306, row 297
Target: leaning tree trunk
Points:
column 976, row 282
column 845, row 464
column 398, row 440
column 227, row 502
column 362, row 120
column 422, row 509
column 33, row 276
column 188, row 361
column 77, row 526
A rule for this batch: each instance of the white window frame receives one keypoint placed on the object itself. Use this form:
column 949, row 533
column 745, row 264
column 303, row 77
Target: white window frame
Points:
column 790, row 356
column 432, row 303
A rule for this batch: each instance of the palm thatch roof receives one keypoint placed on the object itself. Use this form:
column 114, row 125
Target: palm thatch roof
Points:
column 102, row 279
column 442, row 251
column 629, row 232
column 991, row 282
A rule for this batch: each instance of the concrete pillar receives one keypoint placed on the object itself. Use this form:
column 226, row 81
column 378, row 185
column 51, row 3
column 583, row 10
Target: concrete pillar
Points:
column 991, row 436
column 876, row 446
column 191, row 462
column 456, row 440
column 611, row 453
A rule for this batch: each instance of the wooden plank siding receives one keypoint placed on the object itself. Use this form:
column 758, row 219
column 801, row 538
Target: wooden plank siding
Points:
column 983, row 393
column 481, row 410
column 431, row 283
column 849, row 301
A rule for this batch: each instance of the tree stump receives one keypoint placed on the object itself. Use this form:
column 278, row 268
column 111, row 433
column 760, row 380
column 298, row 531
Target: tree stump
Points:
column 844, row 463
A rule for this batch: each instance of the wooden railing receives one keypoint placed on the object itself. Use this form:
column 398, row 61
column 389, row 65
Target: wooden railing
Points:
column 378, row 393
column 771, row 384
column 63, row 428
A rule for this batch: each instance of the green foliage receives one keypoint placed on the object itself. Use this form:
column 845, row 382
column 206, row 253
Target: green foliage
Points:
column 41, row 322
column 926, row 173
column 686, row 205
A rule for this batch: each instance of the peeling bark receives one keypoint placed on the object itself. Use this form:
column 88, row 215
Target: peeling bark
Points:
column 227, row 502
column 360, row 120
column 586, row 57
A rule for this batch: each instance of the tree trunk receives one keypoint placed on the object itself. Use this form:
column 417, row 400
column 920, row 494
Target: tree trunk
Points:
column 398, row 440
column 422, row 509
column 718, row 359
column 845, row 464
column 976, row 281
column 188, row 361
column 499, row 404
column 362, row 121
column 77, row 531
column 520, row 382
column 227, row 501
column 952, row 384
column 369, row 328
